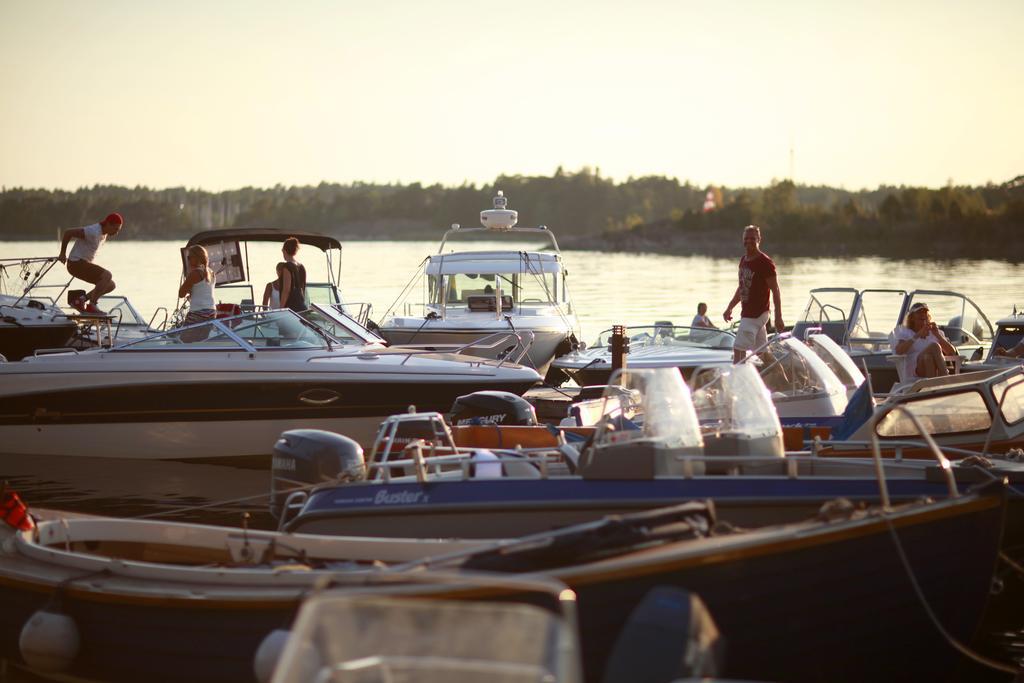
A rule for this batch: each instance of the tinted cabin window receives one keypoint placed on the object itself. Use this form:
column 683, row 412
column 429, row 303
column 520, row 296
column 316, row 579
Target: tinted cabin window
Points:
column 948, row 414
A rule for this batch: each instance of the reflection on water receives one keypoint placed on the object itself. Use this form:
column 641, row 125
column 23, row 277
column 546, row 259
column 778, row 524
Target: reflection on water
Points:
column 175, row 491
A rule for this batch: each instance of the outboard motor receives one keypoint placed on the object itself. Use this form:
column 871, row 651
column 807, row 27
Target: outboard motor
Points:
column 492, row 407
column 668, row 636
column 312, row 456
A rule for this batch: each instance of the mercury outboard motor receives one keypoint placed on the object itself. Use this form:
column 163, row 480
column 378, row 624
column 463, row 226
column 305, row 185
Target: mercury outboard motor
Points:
column 492, row 407
column 312, row 456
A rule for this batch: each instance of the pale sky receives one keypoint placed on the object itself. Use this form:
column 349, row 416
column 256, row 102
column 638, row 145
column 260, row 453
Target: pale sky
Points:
column 222, row 94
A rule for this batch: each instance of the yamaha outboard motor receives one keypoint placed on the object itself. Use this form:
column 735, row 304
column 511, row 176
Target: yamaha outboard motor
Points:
column 312, row 456
column 492, row 407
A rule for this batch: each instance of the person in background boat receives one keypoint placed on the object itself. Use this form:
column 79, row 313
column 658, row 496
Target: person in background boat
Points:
column 79, row 262
column 198, row 287
column 1012, row 352
column 292, row 278
column 757, row 279
column 702, row 319
column 272, row 292
column 922, row 343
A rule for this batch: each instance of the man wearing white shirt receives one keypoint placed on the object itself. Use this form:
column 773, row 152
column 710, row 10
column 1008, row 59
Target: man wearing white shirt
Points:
column 80, row 261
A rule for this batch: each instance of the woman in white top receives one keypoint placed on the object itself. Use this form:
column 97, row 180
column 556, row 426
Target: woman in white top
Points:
column 923, row 344
column 272, row 292
column 198, row 287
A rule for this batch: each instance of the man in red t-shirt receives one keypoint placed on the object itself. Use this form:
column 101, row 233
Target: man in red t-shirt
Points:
column 757, row 279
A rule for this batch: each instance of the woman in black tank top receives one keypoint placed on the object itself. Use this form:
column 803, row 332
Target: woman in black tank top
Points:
column 292, row 282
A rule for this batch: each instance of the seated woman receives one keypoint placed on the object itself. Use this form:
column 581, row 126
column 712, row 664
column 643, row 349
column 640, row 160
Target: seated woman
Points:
column 923, row 344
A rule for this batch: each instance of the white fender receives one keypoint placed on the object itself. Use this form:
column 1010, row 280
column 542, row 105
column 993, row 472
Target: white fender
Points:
column 49, row 641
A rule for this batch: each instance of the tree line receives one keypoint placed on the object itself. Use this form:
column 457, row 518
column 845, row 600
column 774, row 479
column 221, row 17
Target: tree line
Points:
column 584, row 208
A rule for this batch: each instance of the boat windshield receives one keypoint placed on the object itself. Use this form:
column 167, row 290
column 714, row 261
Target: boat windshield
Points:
column 961, row 320
column 965, row 411
column 789, row 369
column 671, row 336
column 269, row 330
column 829, row 305
column 340, row 326
column 837, row 360
column 519, row 287
column 649, row 404
column 344, row 636
column 122, row 311
column 734, row 400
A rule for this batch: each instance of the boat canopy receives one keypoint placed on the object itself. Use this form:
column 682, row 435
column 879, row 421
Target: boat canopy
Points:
column 493, row 262
column 734, row 400
column 207, row 237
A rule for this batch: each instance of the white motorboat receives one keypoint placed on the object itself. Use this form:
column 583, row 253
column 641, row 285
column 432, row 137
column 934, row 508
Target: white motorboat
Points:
column 862, row 321
column 803, row 387
column 31, row 320
column 662, row 345
column 470, row 294
column 223, row 390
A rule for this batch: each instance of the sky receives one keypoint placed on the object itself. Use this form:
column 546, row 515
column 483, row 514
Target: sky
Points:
column 227, row 94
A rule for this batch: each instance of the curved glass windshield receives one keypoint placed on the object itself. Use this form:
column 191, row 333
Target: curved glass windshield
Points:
column 671, row 335
column 734, row 400
column 254, row 331
column 789, row 368
column 837, row 360
column 650, row 404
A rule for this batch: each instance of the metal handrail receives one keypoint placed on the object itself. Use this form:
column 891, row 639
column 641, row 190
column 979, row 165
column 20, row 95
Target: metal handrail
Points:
column 153, row 317
column 876, row 453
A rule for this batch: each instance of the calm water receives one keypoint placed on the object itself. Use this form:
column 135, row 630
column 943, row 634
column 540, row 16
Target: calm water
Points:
column 608, row 288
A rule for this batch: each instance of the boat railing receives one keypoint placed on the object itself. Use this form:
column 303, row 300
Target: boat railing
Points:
column 876, row 453
column 362, row 311
column 819, row 446
column 152, row 318
column 511, row 354
column 429, row 462
column 46, row 263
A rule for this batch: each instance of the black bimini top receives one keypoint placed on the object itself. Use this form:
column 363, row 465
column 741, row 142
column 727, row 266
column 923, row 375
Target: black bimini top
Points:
column 323, row 242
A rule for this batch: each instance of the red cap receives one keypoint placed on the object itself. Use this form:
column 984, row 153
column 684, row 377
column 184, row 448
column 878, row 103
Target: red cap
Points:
column 114, row 218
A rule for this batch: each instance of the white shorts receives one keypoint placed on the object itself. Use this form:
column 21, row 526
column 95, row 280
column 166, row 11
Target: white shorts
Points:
column 751, row 333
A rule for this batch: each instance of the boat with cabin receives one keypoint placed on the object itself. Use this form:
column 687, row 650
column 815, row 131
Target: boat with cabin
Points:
column 466, row 295
column 223, row 390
